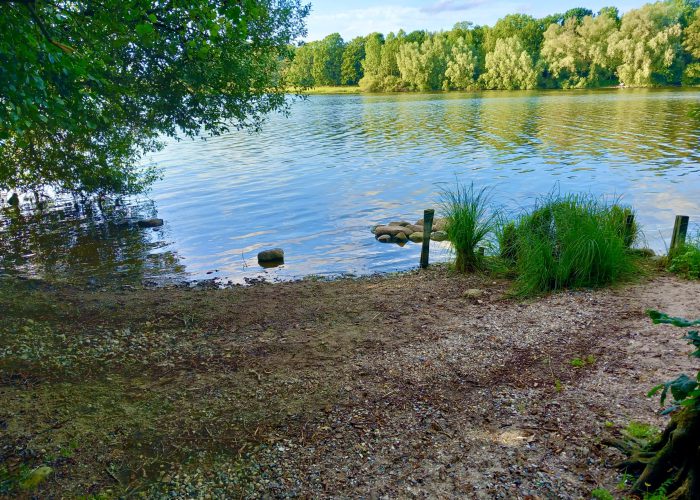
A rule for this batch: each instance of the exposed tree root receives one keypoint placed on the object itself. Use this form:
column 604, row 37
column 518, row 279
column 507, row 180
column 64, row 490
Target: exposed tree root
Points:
column 671, row 464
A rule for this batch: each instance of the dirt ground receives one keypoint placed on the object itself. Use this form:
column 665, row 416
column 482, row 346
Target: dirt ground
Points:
column 379, row 387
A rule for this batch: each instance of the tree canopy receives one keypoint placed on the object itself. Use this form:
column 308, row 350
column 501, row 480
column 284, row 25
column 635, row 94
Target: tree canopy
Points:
column 656, row 44
column 87, row 88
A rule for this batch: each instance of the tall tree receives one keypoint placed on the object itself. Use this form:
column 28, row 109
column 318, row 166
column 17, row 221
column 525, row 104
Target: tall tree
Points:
column 87, row 87
column 576, row 53
column 461, row 66
column 691, row 44
column 509, row 66
column 351, row 67
column 528, row 29
column 647, row 47
column 328, row 57
column 299, row 71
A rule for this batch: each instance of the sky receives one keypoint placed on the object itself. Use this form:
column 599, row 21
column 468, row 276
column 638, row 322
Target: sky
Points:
column 361, row 17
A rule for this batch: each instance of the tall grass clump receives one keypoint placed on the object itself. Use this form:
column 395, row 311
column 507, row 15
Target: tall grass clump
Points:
column 469, row 221
column 685, row 260
column 570, row 241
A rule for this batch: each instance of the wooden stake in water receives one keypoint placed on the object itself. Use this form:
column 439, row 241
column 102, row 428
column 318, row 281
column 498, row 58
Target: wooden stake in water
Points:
column 427, row 230
column 680, row 229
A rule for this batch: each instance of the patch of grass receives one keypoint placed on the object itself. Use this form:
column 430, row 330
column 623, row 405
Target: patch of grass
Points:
column 641, row 431
column 469, row 221
column 602, row 494
column 571, row 241
column 685, row 261
column 583, row 362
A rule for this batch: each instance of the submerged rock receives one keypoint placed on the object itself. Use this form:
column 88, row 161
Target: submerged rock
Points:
column 150, row 223
column 401, row 238
column 439, row 236
column 385, row 238
column 274, row 255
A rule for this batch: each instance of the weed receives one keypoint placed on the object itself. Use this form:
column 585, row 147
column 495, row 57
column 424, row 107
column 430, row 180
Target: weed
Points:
column 685, row 261
column 601, row 494
column 641, row 431
column 583, row 362
column 571, row 241
column 469, row 222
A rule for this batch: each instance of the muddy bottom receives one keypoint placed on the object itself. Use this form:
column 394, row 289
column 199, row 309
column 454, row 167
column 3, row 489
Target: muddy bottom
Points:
column 395, row 386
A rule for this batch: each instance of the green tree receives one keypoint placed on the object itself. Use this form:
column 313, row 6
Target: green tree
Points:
column 423, row 66
column 351, row 67
column 299, row 71
column 371, row 81
column 647, row 47
column 509, row 66
column 691, row 44
column 528, row 29
column 461, row 66
column 576, row 53
column 86, row 88
column 328, row 57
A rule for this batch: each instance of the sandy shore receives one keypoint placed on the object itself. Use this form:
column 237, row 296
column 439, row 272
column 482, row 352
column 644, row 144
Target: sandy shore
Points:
column 386, row 386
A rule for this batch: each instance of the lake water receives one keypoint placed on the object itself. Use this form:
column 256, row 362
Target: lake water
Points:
column 314, row 182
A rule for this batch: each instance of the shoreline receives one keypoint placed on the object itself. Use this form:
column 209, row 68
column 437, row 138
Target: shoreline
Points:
column 393, row 385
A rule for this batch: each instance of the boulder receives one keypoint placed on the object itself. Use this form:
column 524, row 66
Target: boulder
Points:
column 150, row 223
column 416, row 237
column 439, row 224
column 385, row 238
column 413, row 228
column 390, row 230
column 273, row 255
column 401, row 238
column 439, row 236
column 399, row 223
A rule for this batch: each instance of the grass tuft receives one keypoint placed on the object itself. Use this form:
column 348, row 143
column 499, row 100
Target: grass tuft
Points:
column 570, row 241
column 469, row 221
column 686, row 259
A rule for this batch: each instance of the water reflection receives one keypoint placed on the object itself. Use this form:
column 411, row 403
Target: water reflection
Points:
column 313, row 183
column 84, row 243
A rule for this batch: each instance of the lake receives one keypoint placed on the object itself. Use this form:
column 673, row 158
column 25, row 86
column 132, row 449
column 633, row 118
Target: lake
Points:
column 314, row 182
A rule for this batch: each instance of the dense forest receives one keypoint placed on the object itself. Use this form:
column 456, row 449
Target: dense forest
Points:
column 657, row 44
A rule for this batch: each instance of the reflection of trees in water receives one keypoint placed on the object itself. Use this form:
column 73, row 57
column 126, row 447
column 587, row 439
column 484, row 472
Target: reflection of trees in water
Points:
column 563, row 129
column 80, row 241
column 635, row 126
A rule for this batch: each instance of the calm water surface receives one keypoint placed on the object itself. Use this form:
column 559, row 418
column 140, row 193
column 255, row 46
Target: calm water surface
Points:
column 314, row 182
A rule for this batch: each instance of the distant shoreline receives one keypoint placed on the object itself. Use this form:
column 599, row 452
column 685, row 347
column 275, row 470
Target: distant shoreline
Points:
column 355, row 89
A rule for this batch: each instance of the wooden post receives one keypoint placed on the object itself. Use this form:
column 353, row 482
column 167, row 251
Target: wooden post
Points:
column 629, row 233
column 427, row 230
column 680, row 229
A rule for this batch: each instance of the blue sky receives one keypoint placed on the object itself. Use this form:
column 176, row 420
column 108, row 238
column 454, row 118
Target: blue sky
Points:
column 360, row 17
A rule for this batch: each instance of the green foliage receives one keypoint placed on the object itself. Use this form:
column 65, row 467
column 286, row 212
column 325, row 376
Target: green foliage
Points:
column 583, row 362
column 351, row 67
column 328, row 56
column 509, row 66
column 469, row 222
column 87, row 88
column 685, row 260
column 571, row 241
column 601, row 494
column 641, row 431
column 685, row 390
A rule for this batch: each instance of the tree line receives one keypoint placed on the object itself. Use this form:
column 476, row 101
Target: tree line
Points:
column 655, row 45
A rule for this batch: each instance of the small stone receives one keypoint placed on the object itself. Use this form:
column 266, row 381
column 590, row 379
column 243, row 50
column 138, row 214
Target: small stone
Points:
column 385, row 238
column 473, row 293
column 273, row 255
column 439, row 236
column 401, row 238
column 150, row 223
column 416, row 237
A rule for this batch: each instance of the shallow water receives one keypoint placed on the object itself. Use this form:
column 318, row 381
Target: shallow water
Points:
column 314, row 182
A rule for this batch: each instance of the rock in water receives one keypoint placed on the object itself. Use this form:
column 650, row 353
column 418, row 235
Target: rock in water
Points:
column 401, row 238
column 150, row 223
column 275, row 255
column 439, row 236
column 439, row 224
column 416, row 237
column 390, row 230
column 385, row 238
